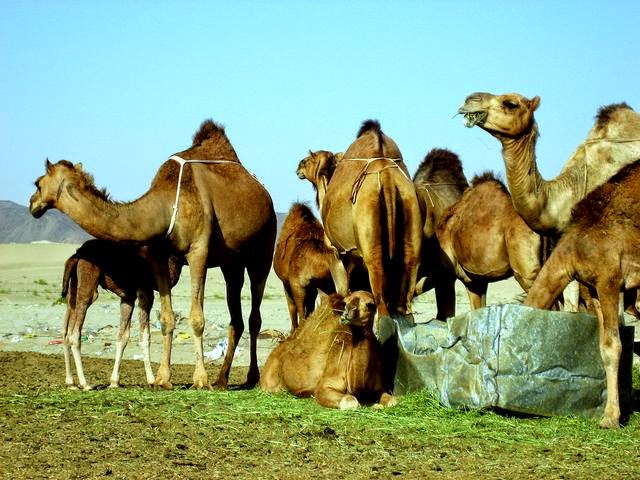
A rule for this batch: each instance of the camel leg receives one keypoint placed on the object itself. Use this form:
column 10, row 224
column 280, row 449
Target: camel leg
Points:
column 198, row 271
column 339, row 275
column 167, row 325
column 145, row 303
column 446, row 298
column 571, row 297
column 310, row 301
column 65, row 345
column 477, row 292
column 234, row 278
column 298, row 293
column 329, row 396
column 258, row 279
column 73, row 340
column 126, row 310
column 610, row 351
column 293, row 310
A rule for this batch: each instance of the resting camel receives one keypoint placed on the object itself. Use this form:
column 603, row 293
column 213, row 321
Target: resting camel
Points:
column 334, row 357
column 371, row 215
column 439, row 182
column 612, row 143
column 192, row 206
column 302, row 261
column 601, row 249
column 123, row 269
column 485, row 240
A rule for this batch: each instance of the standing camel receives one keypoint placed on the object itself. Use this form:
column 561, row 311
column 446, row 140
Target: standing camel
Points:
column 302, row 262
column 371, row 214
column 439, row 182
column 193, row 205
column 125, row 270
column 485, row 240
column 601, row 249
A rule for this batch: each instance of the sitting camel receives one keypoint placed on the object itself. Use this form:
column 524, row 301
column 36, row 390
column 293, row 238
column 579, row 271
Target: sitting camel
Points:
column 302, row 261
column 371, row 216
column 439, row 182
column 485, row 240
column 125, row 270
column 600, row 248
column 334, row 357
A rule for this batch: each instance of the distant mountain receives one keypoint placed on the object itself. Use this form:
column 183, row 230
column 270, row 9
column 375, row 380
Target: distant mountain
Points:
column 18, row 226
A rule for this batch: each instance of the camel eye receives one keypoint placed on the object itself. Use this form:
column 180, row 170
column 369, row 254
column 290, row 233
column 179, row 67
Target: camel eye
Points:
column 510, row 105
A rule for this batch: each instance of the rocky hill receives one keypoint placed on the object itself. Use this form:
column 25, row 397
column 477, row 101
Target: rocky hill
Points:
column 18, row 226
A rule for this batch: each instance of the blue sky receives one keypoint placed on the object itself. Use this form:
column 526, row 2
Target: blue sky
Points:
column 120, row 86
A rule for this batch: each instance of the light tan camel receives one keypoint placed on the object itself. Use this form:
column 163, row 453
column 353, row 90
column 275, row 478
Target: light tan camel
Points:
column 371, row 215
column 439, row 182
column 318, row 168
column 193, row 204
column 601, row 249
column 125, row 270
column 612, row 143
column 334, row 357
column 485, row 240
column 302, row 261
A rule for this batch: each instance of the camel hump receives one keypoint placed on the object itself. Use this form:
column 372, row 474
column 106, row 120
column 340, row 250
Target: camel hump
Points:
column 302, row 211
column 208, row 129
column 606, row 112
column 441, row 165
column 489, row 176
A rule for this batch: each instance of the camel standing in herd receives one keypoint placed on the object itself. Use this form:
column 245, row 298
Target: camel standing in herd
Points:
column 371, row 215
column 302, row 262
column 125, row 270
column 601, row 249
column 192, row 206
column 333, row 356
column 439, row 182
column 612, row 143
column 484, row 240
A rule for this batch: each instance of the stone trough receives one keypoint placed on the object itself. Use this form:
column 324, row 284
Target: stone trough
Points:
column 509, row 357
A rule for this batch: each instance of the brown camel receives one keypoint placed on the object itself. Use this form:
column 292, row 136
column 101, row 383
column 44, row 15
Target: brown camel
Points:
column 334, row 357
column 601, row 249
column 612, row 143
column 318, row 168
column 192, row 205
column 485, row 240
column 125, row 270
column 439, row 182
column 371, row 215
column 302, row 261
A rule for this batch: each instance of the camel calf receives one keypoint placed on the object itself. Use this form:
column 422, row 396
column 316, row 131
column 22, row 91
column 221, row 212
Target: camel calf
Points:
column 334, row 357
column 302, row 262
column 601, row 249
column 125, row 270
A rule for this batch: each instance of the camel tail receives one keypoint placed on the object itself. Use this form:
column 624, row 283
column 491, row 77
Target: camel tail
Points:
column 390, row 211
column 69, row 270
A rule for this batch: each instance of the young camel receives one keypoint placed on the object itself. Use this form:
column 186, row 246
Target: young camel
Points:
column 125, row 270
column 302, row 262
column 485, row 240
column 601, row 249
column 336, row 358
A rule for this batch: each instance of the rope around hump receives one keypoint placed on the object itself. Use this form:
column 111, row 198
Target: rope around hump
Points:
column 364, row 172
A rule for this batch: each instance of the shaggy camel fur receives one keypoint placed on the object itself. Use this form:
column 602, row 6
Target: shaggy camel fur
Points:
column 601, row 249
column 336, row 358
column 371, row 216
column 192, row 206
column 612, row 143
column 125, row 270
column 302, row 262
column 485, row 240
column 439, row 182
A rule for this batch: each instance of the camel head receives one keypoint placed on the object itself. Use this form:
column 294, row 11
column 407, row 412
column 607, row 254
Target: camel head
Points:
column 317, row 165
column 51, row 185
column 508, row 115
column 359, row 310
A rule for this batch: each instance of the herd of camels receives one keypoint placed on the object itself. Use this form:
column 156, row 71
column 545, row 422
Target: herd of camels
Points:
column 380, row 230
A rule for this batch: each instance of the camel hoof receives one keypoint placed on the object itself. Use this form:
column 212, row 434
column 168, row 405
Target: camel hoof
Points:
column 166, row 385
column 388, row 400
column 114, row 386
column 201, row 386
column 72, row 386
column 609, row 423
column 348, row 402
column 86, row 388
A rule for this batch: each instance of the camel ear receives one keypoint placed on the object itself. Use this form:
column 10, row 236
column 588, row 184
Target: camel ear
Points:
column 535, row 103
column 337, row 303
column 78, row 167
column 48, row 165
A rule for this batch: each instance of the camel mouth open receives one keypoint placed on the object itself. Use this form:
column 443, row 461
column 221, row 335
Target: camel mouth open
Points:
column 472, row 119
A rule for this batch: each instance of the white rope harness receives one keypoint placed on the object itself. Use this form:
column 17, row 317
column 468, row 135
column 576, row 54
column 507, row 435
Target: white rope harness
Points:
column 182, row 162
